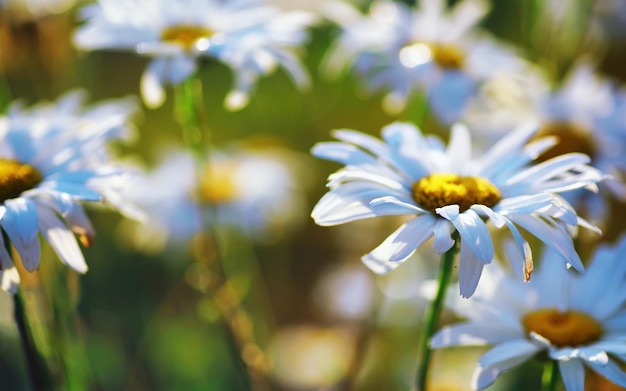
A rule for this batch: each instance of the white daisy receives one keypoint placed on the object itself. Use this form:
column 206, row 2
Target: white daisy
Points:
column 431, row 48
column 578, row 320
column 251, row 38
column 587, row 113
column 251, row 190
column 49, row 164
column 449, row 193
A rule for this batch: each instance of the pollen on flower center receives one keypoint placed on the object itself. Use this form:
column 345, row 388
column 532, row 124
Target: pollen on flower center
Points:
column 571, row 138
column 448, row 56
column 16, row 178
column 218, row 184
column 185, row 35
column 438, row 190
column 569, row 328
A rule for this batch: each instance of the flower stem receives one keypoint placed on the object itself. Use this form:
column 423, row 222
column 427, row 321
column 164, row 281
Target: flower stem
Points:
column 550, row 376
column 432, row 316
column 39, row 375
column 189, row 110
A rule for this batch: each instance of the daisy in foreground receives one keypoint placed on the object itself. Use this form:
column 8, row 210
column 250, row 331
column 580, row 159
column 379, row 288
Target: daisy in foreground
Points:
column 578, row 320
column 48, row 166
column 449, row 194
column 251, row 38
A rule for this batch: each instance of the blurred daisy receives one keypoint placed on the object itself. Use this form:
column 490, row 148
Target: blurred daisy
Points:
column 49, row 164
column 587, row 113
column 251, row 190
column 251, row 38
column 578, row 320
column 432, row 49
column 449, row 193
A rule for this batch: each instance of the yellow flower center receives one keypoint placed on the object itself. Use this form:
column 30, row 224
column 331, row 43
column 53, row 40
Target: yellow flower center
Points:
column 185, row 35
column 447, row 56
column 438, row 190
column 569, row 328
column 16, row 178
column 572, row 138
column 218, row 184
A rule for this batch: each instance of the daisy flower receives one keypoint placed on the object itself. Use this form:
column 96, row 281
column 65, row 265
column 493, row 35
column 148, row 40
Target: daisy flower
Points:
column 448, row 193
column 49, row 165
column 431, row 48
column 576, row 319
column 587, row 113
column 251, row 38
column 251, row 190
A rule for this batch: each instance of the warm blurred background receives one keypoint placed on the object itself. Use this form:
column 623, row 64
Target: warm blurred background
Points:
column 321, row 319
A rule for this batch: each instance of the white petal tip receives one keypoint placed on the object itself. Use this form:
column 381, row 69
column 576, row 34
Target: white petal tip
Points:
column 236, row 100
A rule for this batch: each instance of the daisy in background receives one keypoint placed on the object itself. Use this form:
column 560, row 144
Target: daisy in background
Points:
column 449, row 193
column 251, row 38
column 251, row 189
column 52, row 159
column 431, row 49
column 587, row 113
column 577, row 320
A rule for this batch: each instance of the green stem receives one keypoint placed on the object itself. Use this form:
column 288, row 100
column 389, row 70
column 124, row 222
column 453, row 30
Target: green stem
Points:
column 189, row 111
column 550, row 376
column 432, row 316
column 37, row 369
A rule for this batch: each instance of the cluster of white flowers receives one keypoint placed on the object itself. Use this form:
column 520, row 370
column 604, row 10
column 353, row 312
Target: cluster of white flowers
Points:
column 529, row 154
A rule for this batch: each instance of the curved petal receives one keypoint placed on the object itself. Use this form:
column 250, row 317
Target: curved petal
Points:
column 62, row 240
column 573, row 374
column 472, row 334
column 470, row 269
column 443, row 236
column 501, row 358
column 20, row 222
column 400, row 244
column 151, row 84
column 611, row 371
column 474, row 233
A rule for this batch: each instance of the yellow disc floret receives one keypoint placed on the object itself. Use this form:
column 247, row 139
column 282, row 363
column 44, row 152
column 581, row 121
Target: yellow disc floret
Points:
column 438, row 190
column 218, row 183
column 563, row 328
column 16, row 178
column 185, row 35
column 448, row 56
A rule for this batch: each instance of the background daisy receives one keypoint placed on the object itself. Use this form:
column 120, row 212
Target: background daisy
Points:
column 578, row 320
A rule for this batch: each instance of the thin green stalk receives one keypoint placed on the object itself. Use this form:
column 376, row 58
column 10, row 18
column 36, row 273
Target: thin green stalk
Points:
column 550, row 376
column 432, row 317
column 189, row 111
column 39, row 374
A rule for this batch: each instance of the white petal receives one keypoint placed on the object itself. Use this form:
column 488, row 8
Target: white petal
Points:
column 20, row 222
column 611, row 371
column 151, row 84
column 443, row 236
column 499, row 359
column 9, row 280
column 475, row 234
column 459, row 148
column 472, row 334
column 470, row 269
column 62, row 240
column 573, row 374
column 553, row 236
column 400, row 244
column 343, row 153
